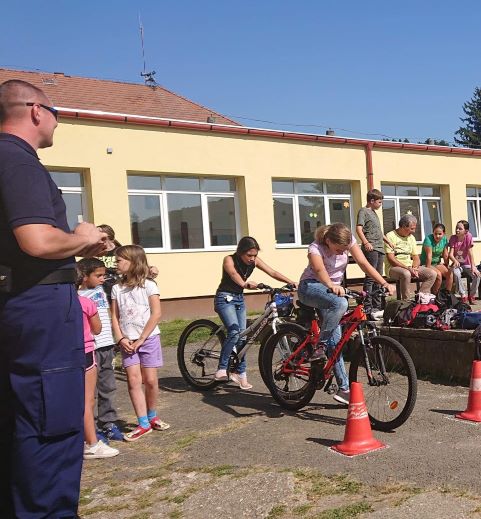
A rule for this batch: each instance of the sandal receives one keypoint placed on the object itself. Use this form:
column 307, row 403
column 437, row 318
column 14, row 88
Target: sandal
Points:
column 241, row 381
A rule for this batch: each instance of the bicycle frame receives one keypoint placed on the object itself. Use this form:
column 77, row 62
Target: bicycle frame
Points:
column 353, row 320
column 252, row 332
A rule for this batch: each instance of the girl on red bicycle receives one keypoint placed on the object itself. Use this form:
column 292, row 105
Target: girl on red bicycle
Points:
column 320, row 287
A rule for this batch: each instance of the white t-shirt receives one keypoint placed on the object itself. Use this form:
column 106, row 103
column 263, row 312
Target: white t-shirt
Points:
column 99, row 297
column 134, row 308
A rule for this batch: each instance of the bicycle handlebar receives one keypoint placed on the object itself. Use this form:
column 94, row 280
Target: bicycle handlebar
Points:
column 269, row 289
column 354, row 294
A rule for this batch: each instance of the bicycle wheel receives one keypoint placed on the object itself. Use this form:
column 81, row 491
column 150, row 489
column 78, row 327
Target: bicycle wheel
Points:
column 266, row 335
column 198, row 353
column 391, row 393
column 290, row 390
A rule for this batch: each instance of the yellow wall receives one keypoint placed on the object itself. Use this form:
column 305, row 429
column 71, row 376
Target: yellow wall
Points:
column 254, row 162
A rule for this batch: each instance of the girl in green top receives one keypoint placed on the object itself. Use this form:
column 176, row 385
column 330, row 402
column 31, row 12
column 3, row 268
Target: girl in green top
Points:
column 435, row 255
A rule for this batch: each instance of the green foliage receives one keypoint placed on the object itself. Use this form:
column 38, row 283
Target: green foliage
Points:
column 470, row 134
column 436, row 142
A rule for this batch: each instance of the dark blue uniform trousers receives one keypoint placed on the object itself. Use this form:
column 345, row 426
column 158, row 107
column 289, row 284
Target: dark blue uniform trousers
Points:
column 41, row 402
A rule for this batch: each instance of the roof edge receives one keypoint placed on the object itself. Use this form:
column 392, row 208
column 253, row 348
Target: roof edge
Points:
column 74, row 113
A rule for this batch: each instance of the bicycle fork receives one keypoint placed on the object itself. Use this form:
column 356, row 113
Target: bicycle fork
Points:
column 365, row 343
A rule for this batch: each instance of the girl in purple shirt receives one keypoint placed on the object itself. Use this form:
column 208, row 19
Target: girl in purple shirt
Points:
column 320, row 287
column 461, row 256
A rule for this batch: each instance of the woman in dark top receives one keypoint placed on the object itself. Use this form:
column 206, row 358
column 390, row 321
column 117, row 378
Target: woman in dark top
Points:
column 229, row 301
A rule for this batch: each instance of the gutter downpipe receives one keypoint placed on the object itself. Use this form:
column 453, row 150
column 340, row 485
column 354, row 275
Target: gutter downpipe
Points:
column 369, row 171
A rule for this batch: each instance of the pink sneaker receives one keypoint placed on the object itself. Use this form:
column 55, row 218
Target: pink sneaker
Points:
column 137, row 433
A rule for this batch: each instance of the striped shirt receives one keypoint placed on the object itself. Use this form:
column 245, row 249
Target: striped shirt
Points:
column 99, row 297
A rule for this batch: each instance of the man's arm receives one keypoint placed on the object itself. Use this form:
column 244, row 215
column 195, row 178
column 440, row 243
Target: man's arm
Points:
column 48, row 242
column 362, row 237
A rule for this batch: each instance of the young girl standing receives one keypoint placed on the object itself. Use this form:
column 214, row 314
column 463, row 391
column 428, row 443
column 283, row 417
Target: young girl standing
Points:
column 461, row 255
column 135, row 316
column 93, row 447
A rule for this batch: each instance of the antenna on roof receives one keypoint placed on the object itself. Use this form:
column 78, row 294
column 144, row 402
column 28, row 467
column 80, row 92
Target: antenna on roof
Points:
column 148, row 76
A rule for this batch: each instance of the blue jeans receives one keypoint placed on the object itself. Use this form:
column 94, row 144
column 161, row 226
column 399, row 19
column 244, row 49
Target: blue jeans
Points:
column 232, row 312
column 313, row 293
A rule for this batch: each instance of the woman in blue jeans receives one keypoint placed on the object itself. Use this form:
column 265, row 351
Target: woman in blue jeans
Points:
column 320, row 287
column 229, row 301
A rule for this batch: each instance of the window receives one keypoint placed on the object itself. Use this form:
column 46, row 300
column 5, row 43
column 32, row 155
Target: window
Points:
column 423, row 202
column 473, row 196
column 71, row 185
column 302, row 206
column 181, row 213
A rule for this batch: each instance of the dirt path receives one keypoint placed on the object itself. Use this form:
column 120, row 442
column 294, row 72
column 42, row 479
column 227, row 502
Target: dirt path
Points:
column 235, row 453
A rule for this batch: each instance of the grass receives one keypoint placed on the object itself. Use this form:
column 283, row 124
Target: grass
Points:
column 345, row 512
column 276, row 511
column 172, row 330
column 219, row 470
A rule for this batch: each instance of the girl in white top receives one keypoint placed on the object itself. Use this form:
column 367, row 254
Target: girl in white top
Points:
column 135, row 317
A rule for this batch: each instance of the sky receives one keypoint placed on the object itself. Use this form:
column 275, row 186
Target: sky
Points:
column 372, row 69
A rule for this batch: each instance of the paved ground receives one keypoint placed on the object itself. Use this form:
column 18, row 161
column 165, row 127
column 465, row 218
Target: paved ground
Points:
column 235, row 453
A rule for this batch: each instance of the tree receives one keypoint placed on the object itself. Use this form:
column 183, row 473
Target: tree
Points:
column 470, row 135
column 436, row 142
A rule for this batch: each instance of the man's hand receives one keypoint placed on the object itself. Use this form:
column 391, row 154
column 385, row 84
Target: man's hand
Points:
column 368, row 246
column 414, row 271
column 97, row 240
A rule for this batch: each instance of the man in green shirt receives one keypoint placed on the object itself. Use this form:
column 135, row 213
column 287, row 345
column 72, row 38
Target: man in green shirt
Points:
column 402, row 260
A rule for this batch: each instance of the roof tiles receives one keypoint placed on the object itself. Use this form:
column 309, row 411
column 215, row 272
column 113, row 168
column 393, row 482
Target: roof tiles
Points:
column 114, row 96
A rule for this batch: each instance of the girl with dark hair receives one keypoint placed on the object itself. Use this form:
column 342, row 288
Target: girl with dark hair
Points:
column 320, row 287
column 229, row 302
column 461, row 255
column 435, row 255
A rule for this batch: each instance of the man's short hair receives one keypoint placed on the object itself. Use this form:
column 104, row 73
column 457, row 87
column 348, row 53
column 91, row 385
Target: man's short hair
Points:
column 407, row 219
column 374, row 194
column 13, row 93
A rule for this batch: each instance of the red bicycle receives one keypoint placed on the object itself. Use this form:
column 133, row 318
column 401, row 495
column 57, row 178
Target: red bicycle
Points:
column 380, row 363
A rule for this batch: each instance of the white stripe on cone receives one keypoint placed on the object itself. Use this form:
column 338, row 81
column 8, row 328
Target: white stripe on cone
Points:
column 358, row 411
column 475, row 384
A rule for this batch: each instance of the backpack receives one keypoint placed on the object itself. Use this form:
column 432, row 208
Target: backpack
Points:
column 445, row 299
column 468, row 320
column 396, row 312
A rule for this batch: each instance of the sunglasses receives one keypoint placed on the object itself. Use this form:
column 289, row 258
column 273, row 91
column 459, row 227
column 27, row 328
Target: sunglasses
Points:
column 50, row 109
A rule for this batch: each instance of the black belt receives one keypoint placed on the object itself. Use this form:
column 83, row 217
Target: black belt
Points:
column 58, row 276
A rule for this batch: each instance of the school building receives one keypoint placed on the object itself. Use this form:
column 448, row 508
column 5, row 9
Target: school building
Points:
column 187, row 183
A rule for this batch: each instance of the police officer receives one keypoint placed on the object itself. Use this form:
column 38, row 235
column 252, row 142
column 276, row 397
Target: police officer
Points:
column 41, row 338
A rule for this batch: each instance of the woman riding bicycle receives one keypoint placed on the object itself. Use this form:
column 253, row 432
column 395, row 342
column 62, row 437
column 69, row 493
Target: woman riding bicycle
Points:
column 320, row 287
column 229, row 302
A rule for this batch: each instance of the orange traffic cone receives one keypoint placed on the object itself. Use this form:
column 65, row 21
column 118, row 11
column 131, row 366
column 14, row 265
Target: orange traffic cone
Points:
column 473, row 411
column 358, row 437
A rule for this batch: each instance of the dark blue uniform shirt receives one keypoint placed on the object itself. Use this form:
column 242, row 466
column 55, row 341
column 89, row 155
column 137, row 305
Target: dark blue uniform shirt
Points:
column 28, row 195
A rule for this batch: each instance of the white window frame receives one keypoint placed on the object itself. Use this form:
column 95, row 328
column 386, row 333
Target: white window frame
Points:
column 76, row 191
column 204, row 196
column 477, row 200
column 420, row 198
column 296, row 211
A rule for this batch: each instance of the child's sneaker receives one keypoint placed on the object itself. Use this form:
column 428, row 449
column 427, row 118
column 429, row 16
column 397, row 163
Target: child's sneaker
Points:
column 137, row 433
column 342, row 396
column 99, row 450
column 102, row 437
column 113, row 433
column 157, row 424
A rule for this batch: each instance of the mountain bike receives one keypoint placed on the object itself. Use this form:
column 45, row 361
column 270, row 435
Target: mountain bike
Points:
column 380, row 363
column 200, row 343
